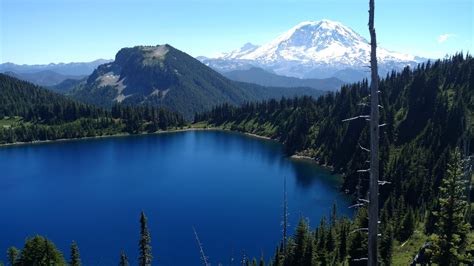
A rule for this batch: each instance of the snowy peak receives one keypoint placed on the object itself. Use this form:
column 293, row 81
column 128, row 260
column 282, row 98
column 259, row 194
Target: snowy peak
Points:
column 315, row 42
column 247, row 48
column 320, row 34
column 312, row 49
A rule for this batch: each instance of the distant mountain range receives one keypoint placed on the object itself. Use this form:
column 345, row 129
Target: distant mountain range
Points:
column 313, row 49
column 58, row 77
column 46, row 78
column 262, row 77
column 71, row 69
column 164, row 76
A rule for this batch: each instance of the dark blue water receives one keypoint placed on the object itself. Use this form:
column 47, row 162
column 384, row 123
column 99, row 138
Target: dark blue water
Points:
column 229, row 186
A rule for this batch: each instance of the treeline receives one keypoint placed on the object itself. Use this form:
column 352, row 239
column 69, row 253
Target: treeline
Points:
column 426, row 113
column 344, row 242
column 44, row 115
column 36, row 104
column 39, row 250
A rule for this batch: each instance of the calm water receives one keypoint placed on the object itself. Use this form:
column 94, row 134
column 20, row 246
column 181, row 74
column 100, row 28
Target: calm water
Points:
column 229, row 186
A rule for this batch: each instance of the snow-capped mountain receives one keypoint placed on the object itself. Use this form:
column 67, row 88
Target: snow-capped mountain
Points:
column 313, row 49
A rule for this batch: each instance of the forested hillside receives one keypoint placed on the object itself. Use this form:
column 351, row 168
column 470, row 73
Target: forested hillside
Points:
column 31, row 113
column 167, row 77
column 425, row 112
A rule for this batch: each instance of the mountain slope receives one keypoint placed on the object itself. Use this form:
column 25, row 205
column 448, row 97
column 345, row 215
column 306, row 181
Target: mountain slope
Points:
column 66, row 85
column 164, row 76
column 44, row 78
column 312, row 49
column 260, row 76
column 21, row 98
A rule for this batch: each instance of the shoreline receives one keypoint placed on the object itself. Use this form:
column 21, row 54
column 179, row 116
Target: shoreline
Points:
column 184, row 129
column 311, row 160
column 176, row 130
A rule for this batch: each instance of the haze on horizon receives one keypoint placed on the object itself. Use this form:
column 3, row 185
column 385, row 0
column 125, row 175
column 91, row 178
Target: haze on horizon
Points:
column 34, row 32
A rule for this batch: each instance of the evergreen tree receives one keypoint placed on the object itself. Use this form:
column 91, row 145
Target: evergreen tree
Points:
column 330, row 241
column 12, row 254
column 408, row 226
column 358, row 241
column 40, row 251
column 75, row 258
column 386, row 244
column 430, row 221
column 301, row 241
column 144, row 243
column 123, row 259
column 449, row 241
column 333, row 214
column 290, row 258
column 279, row 258
column 342, row 240
column 254, row 262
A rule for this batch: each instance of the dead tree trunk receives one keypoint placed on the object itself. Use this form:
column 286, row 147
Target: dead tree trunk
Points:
column 201, row 249
column 374, row 143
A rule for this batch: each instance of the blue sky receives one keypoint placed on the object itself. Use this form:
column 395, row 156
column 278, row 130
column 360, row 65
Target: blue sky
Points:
column 44, row 31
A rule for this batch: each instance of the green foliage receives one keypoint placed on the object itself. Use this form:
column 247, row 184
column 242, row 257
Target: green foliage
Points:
column 123, row 259
column 386, row 244
column 450, row 238
column 39, row 251
column 12, row 254
column 326, row 245
column 144, row 243
column 424, row 111
column 357, row 249
column 75, row 257
column 30, row 113
column 407, row 226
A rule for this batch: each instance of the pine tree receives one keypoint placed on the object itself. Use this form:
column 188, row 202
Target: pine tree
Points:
column 386, row 244
column 330, row 242
column 308, row 257
column 123, row 259
column 75, row 258
column 290, row 258
column 450, row 241
column 262, row 261
column 320, row 236
column 279, row 258
column 408, row 226
column 342, row 240
column 40, row 251
column 12, row 254
column 254, row 262
column 358, row 241
column 333, row 214
column 301, row 240
column 144, row 243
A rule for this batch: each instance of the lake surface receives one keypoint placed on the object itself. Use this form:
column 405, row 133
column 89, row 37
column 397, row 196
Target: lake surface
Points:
column 227, row 185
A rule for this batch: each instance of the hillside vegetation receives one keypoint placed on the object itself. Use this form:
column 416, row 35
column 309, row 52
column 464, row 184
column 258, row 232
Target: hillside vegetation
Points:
column 426, row 111
column 31, row 113
column 167, row 77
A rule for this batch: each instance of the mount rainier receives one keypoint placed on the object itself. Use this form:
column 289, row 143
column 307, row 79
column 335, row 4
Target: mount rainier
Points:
column 313, row 49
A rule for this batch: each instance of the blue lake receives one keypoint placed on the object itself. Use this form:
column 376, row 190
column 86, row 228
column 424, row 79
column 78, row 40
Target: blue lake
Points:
column 227, row 185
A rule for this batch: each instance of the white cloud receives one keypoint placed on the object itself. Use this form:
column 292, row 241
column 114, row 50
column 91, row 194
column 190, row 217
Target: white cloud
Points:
column 444, row 37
